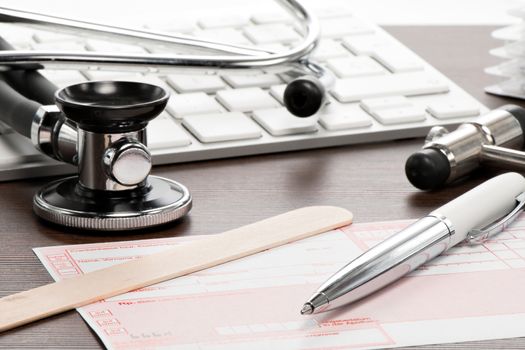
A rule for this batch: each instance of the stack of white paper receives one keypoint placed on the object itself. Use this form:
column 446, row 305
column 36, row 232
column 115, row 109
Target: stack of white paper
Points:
column 512, row 70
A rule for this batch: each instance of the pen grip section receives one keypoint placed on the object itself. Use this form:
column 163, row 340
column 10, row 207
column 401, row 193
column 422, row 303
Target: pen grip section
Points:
column 388, row 261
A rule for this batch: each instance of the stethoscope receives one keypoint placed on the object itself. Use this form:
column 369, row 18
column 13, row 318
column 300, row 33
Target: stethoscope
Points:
column 304, row 95
column 101, row 126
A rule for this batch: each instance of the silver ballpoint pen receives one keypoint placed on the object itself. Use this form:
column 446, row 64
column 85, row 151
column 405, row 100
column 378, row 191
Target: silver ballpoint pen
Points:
column 474, row 216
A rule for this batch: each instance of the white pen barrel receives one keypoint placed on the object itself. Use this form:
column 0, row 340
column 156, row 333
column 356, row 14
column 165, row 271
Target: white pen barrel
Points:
column 482, row 205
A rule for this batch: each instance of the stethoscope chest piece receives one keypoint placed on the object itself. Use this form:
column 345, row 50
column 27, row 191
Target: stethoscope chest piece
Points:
column 113, row 190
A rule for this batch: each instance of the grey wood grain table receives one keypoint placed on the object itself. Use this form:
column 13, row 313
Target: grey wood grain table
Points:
column 367, row 179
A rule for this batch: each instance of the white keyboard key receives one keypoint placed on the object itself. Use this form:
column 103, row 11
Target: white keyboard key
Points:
column 406, row 84
column 399, row 115
column 279, row 122
column 21, row 45
column 180, row 25
column 274, row 47
column 348, row 67
column 371, row 104
column 329, row 48
column 14, row 149
column 277, row 92
column 63, row 78
column 161, row 49
column 106, row 46
column 225, row 35
column 271, row 33
column 367, row 44
column 246, row 99
column 223, row 21
column 271, row 17
column 447, row 109
column 222, row 127
column 335, row 117
column 398, row 61
column 45, row 37
column 193, row 103
column 59, row 46
column 248, row 80
column 16, row 34
column 339, row 27
column 195, row 83
column 332, row 12
column 163, row 132
column 107, row 74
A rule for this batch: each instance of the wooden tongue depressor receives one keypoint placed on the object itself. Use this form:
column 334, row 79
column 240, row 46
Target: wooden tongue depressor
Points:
column 54, row 298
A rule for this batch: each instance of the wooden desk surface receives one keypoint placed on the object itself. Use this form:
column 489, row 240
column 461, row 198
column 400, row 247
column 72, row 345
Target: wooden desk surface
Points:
column 367, row 179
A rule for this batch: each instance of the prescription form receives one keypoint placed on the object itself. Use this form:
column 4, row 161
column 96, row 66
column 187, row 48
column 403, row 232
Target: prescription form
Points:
column 470, row 293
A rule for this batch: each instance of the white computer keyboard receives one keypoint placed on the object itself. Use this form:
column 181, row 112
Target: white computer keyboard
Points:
column 383, row 92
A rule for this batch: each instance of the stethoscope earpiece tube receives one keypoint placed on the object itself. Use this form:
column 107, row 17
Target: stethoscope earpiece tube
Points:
column 16, row 110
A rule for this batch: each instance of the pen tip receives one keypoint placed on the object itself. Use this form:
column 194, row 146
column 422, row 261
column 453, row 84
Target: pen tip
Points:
column 307, row 309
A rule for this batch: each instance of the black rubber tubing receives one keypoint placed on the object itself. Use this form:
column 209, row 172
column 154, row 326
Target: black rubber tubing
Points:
column 16, row 110
column 29, row 83
column 19, row 91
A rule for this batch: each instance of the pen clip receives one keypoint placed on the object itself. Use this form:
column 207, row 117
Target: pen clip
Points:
column 483, row 234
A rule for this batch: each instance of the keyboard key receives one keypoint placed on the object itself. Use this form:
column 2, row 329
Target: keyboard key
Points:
column 332, row 12
column 406, row 84
column 225, row 35
column 399, row 115
column 181, row 25
column 162, row 49
column 271, row 33
column 195, row 83
column 335, row 117
column 371, row 104
column 398, row 61
column 15, row 34
column 223, row 21
column 271, row 17
column 329, row 48
column 355, row 67
column 106, row 46
column 107, row 74
column 222, row 127
column 46, row 37
column 279, row 122
column 447, row 109
column 339, row 27
column 277, row 92
column 248, row 80
column 59, row 46
column 367, row 44
column 15, row 149
column 63, row 78
column 163, row 132
column 193, row 103
column 246, row 99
